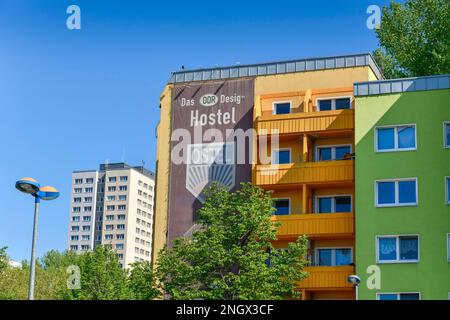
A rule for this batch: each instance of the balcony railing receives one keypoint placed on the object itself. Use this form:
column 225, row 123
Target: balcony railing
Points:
column 315, row 225
column 308, row 172
column 325, row 278
column 307, row 122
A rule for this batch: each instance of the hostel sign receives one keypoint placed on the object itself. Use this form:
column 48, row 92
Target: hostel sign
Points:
column 203, row 150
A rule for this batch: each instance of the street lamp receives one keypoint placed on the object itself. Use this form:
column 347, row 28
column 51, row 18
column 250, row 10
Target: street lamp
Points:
column 354, row 280
column 31, row 186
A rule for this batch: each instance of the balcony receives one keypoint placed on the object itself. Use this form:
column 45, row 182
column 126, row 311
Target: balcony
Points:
column 307, row 122
column 304, row 173
column 315, row 225
column 327, row 278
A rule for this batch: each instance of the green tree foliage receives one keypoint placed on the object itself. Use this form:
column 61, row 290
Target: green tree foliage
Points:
column 414, row 38
column 141, row 281
column 231, row 256
column 4, row 260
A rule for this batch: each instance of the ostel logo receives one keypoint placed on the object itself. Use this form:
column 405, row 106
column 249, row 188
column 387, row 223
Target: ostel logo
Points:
column 209, row 100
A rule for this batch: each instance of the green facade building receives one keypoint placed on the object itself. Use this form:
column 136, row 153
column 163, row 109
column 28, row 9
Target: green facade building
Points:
column 402, row 171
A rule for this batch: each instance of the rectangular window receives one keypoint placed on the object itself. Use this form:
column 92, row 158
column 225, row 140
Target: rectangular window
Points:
column 122, row 198
column 89, row 180
column 111, row 198
column 282, row 156
column 112, row 179
column 123, row 178
column 87, row 209
column 396, row 192
column 334, row 104
column 281, row 107
column 86, row 218
column 76, row 219
column 88, row 190
column 282, row 206
column 76, row 209
column 77, row 200
column 333, row 204
column 122, row 207
column 108, row 236
column 110, row 208
column 74, row 238
column 109, row 217
column 75, row 228
column 74, row 248
column 88, row 199
column 85, row 238
column 330, row 153
column 333, row 256
column 399, row 296
column 77, row 190
column 120, row 236
column 395, row 138
column 111, row 189
column 447, row 189
column 119, row 246
column 86, row 228
column 447, row 134
column 394, row 249
column 120, row 227
column 123, row 188
column 121, row 217
column 78, row 181
column 85, row 247
column 109, row 227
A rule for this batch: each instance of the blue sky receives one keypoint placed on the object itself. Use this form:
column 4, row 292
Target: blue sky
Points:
column 71, row 99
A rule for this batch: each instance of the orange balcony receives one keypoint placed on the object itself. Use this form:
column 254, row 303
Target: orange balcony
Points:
column 307, row 122
column 304, row 173
column 327, row 278
column 315, row 225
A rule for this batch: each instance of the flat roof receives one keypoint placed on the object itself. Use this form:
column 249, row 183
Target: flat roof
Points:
column 119, row 166
column 277, row 67
column 368, row 88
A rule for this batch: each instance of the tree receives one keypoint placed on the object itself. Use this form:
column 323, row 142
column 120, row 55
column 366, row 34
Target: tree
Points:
column 414, row 38
column 141, row 281
column 102, row 277
column 231, row 256
column 4, row 259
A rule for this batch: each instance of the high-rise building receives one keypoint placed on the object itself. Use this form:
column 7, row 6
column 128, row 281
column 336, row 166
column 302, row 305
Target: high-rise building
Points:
column 113, row 206
column 307, row 106
column 402, row 144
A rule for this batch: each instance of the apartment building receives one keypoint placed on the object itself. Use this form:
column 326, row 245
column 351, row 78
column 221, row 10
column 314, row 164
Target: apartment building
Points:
column 403, row 187
column 113, row 206
column 308, row 106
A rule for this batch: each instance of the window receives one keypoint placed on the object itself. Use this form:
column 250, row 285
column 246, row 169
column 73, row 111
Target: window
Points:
column 111, row 198
column 77, row 190
column 122, row 198
column 282, row 156
column 123, row 188
column 108, row 236
column 88, row 190
column 397, row 249
column 76, row 219
column 109, row 227
column 110, row 208
column 111, row 189
column 78, row 181
column 334, row 256
column 333, row 204
column 76, row 209
column 121, row 217
column 396, row 138
column 87, row 209
column 397, row 192
column 120, row 227
column 119, row 246
column 85, row 247
column 89, row 180
column 120, row 236
column 86, row 218
column 123, row 178
column 112, row 179
column 282, row 206
column 122, row 207
column 74, row 238
column 77, row 200
column 448, row 247
column 334, row 104
column 329, row 153
column 75, row 228
column 399, row 296
column 86, row 228
column 85, row 238
column 447, row 189
column 282, row 107
column 109, row 217
column 74, row 247
column 88, row 199
column 447, row 134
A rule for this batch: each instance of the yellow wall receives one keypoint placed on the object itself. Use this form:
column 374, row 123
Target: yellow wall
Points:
column 162, row 173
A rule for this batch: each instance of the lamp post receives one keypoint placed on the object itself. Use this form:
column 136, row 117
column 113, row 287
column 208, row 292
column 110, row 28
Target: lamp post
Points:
column 354, row 280
column 32, row 187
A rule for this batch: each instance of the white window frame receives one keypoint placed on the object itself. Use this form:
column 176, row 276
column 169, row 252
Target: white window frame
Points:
column 333, row 151
column 447, row 198
column 446, row 143
column 398, row 294
column 274, row 103
column 395, row 127
column 333, row 203
column 333, row 255
column 396, row 203
column 286, row 198
column 278, row 150
column 397, row 246
column 333, row 102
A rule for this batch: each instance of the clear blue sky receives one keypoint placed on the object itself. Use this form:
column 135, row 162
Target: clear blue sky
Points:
column 72, row 99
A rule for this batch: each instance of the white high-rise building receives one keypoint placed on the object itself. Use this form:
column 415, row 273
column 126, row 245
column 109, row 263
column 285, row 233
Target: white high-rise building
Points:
column 113, row 206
